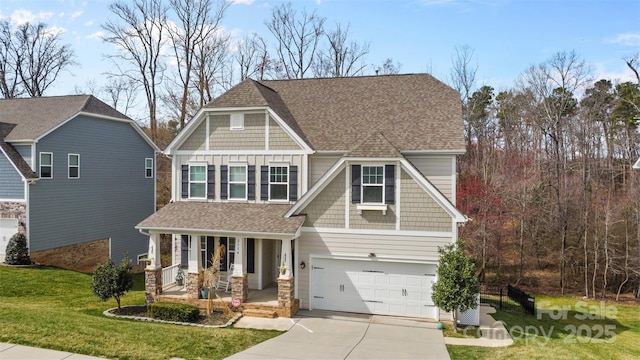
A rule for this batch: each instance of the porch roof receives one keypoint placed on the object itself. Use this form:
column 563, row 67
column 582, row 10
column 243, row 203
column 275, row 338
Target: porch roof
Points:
column 224, row 219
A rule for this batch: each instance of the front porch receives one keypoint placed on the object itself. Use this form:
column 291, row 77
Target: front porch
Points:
column 256, row 258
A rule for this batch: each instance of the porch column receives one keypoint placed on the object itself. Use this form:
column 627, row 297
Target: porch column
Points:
column 153, row 271
column 193, row 270
column 286, row 289
column 239, row 278
column 285, row 260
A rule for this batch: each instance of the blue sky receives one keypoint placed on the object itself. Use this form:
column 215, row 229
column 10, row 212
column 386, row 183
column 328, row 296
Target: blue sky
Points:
column 507, row 35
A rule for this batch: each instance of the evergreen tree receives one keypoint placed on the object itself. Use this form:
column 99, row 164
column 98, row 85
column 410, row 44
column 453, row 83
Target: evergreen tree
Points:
column 17, row 250
column 457, row 286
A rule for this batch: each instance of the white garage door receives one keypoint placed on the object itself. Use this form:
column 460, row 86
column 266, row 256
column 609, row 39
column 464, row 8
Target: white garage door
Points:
column 373, row 287
column 8, row 227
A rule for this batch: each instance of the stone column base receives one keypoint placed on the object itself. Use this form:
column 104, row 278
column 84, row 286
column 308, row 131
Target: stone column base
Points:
column 240, row 287
column 152, row 283
column 286, row 301
column 193, row 290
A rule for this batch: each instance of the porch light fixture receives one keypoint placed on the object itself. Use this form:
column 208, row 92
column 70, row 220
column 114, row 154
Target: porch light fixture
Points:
column 372, row 255
column 302, row 265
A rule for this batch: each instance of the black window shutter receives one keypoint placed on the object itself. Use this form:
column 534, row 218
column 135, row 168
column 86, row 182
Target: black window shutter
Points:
column 184, row 251
column 251, row 182
column 211, row 179
column 293, row 183
column 224, row 180
column 185, row 181
column 210, row 250
column 264, row 182
column 355, row 183
column 223, row 258
column 251, row 251
column 389, row 184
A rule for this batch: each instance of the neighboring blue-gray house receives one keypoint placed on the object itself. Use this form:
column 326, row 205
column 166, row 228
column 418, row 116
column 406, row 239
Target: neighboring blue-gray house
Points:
column 74, row 170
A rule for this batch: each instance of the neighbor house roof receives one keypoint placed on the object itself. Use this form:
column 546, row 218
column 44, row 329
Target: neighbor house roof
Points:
column 414, row 112
column 637, row 164
column 230, row 218
column 13, row 155
column 35, row 117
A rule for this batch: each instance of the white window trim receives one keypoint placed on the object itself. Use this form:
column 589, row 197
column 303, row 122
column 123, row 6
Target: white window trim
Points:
column 148, row 168
column 285, row 165
column 362, row 185
column 246, row 181
column 40, row 164
column 236, row 122
column 69, row 166
column 198, row 182
column 230, row 240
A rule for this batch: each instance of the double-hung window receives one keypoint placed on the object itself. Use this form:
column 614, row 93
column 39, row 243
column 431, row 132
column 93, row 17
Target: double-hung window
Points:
column 372, row 184
column 148, row 168
column 278, row 183
column 74, row 166
column 46, row 165
column 197, row 181
column 238, row 182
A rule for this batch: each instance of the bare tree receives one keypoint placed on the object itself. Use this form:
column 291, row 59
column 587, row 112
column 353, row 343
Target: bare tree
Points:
column 197, row 21
column 388, row 67
column 342, row 57
column 139, row 36
column 31, row 59
column 297, row 36
column 212, row 68
column 252, row 57
column 463, row 79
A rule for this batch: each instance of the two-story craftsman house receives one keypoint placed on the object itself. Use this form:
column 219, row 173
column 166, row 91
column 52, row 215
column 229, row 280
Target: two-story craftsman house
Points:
column 76, row 176
column 347, row 185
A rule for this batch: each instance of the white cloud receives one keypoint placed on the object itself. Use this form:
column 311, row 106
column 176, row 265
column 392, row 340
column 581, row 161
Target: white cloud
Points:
column 88, row 23
column 627, row 39
column 96, row 35
column 22, row 16
column 621, row 73
column 55, row 30
column 75, row 14
column 243, row 2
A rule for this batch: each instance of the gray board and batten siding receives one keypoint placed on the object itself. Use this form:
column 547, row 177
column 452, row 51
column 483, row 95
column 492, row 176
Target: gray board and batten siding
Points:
column 109, row 198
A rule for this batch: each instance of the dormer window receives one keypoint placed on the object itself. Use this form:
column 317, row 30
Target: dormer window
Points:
column 237, row 121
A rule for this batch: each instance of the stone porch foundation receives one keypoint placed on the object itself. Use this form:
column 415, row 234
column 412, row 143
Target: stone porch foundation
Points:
column 286, row 302
column 152, row 283
column 240, row 287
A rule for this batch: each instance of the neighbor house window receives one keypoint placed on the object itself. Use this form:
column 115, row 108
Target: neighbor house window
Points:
column 74, row 166
column 148, row 167
column 198, row 181
column 46, row 165
column 278, row 183
column 373, row 184
column 238, row 182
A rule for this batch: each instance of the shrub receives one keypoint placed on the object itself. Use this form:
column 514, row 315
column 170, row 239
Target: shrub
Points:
column 173, row 312
column 114, row 281
column 17, row 250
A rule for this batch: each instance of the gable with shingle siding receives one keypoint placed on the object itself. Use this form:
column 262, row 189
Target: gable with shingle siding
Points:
column 279, row 139
column 327, row 209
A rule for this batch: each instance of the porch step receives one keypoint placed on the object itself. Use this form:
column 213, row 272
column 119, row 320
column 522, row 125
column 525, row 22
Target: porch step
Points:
column 260, row 313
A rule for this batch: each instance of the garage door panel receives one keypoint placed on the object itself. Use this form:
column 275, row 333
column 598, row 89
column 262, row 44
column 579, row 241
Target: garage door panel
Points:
column 379, row 287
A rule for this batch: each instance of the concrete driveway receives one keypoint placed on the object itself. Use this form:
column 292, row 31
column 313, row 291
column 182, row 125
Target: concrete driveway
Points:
column 332, row 335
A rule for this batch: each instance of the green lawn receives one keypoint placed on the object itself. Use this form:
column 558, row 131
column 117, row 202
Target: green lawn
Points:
column 566, row 328
column 56, row 309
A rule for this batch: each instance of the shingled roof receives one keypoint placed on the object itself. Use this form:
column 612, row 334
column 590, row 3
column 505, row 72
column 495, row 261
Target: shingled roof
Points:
column 224, row 218
column 13, row 154
column 413, row 111
column 34, row 117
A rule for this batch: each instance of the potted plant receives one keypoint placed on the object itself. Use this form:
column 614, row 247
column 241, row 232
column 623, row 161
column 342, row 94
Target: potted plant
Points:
column 283, row 269
column 180, row 278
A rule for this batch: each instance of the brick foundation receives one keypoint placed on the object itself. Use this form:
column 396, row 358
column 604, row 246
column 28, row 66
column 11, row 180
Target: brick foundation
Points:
column 287, row 305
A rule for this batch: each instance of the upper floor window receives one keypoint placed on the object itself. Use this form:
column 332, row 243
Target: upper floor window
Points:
column 46, row 165
column 198, row 181
column 238, row 182
column 148, row 168
column 278, row 183
column 237, row 121
column 74, row 166
column 373, row 184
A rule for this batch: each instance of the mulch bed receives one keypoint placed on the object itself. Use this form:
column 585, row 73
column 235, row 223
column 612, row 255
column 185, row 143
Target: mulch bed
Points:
column 216, row 317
